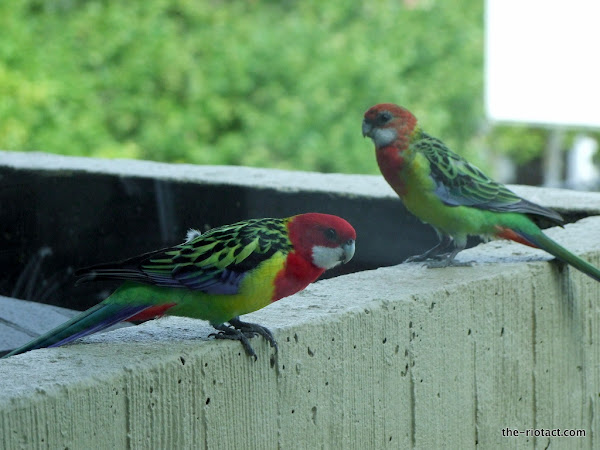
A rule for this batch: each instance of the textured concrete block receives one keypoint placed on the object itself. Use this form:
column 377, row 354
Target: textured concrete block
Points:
column 397, row 357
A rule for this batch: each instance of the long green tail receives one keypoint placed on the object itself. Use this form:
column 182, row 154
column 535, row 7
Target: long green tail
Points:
column 542, row 241
column 95, row 319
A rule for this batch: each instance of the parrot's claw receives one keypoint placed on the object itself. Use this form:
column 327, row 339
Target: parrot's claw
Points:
column 435, row 259
column 433, row 253
column 427, row 256
column 416, row 258
column 439, row 261
column 447, row 262
column 243, row 331
column 247, row 327
column 226, row 332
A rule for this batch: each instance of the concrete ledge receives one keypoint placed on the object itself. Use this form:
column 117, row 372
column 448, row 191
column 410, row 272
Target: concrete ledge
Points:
column 370, row 186
column 22, row 321
column 398, row 357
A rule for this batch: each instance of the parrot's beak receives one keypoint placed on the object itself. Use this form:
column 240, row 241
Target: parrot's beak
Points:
column 366, row 129
column 348, row 248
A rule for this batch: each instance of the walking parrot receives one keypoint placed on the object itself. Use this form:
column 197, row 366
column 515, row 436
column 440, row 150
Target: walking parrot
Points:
column 216, row 276
column 444, row 190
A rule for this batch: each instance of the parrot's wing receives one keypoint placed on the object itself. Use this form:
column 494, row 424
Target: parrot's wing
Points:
column 215, row 262
column 459, row 183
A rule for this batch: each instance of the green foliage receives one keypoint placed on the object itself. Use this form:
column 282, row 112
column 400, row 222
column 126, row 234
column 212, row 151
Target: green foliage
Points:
column 260, row 83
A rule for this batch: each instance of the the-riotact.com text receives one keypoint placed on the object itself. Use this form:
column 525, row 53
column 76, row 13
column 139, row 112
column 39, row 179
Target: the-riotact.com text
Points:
column 541, row 432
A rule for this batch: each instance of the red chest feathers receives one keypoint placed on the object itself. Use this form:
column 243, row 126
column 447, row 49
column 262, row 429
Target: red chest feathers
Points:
column 391, row 163
column 298, row 274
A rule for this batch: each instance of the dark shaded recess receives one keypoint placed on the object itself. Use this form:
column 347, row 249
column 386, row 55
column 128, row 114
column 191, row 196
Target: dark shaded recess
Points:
column 86, row 218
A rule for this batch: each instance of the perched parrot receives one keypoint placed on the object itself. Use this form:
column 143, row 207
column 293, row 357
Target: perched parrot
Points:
column 455, row 197
column 216, row 276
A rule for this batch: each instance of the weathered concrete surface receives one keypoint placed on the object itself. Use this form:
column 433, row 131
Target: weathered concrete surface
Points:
column 372, row 186
column 399, row 357
column 21, row 320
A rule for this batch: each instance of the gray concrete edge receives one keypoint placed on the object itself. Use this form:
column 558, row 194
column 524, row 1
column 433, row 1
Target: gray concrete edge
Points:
column 281, row 180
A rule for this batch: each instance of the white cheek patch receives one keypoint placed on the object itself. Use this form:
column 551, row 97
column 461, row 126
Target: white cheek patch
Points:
column 327, row 257
column 382, row 137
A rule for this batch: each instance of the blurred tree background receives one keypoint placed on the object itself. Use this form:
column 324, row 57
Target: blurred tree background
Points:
column 259, row 83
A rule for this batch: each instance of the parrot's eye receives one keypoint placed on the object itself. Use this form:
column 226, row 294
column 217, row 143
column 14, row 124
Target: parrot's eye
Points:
column 385, row 117
column 331, row 234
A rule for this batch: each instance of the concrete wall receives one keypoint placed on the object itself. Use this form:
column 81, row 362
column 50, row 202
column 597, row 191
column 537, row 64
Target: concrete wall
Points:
column 398, row 357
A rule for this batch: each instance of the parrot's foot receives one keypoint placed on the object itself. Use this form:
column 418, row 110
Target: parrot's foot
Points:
column 434, row 252
column 427, row 256
column 226, row 332
column 254, row 328
column 417, row 258
column 243, row 331
column 436, row 259
column 447, row 262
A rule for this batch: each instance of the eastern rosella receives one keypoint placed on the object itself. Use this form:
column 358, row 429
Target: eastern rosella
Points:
column 216, row 276
column 444, row 190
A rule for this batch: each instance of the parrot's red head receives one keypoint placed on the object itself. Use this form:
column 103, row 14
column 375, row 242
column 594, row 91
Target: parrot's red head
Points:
column 322, row 239
column 386, row 123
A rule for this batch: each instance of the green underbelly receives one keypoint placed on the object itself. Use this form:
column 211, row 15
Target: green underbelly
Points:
column 457, row 221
